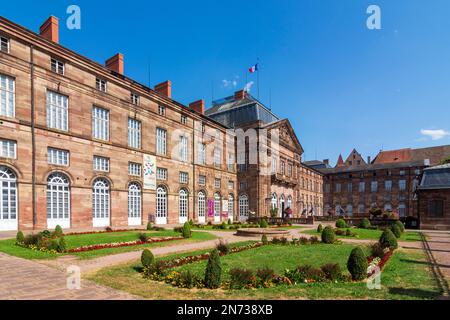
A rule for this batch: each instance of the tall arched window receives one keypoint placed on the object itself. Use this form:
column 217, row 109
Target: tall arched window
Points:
column 100, row 203
column 282, row 206
column 217, row 207
column 8, row 199
column 243, row 207
column 201, row 207
column 230, row 207
column 58, row 201
column 134, row 204
column 274, row 201
column 289, row 202
column 161, row 205
column 183, row 205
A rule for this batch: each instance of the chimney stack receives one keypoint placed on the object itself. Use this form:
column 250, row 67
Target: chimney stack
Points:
column 240, row 95
column 198, row 106
column 326, row 162
column 164, row 88
column 115, row 63
column 49, row 29
column 369, row 159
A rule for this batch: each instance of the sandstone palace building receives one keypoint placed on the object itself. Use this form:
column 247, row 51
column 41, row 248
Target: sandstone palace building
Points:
column 82, row 146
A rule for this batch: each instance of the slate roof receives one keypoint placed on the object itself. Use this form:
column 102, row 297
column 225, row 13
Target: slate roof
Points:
column 436, row 178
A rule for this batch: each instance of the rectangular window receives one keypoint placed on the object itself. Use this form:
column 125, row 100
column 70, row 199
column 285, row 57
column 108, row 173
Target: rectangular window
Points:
column 242, row 161
column 217, row 183
column 230, row 161
column 202, row 180
column 243, row 185
column 101, row 164
column 100, row 123
column 184, row 177
column 388, row 185
column 4, row 44
column 57, row 66
column 289, row 170
column 327, row 188
column 201, row 153
column 134, row 133
column 100, row 84
column 134, row 169
column 217, row 157
column 282, row 168
column 402, row 172
column 436, row 208
column 134, row 99
column 374, row 186
column 349, row 187
column 161, row 110
column 183, row 119
column 183, row 148
column 57, row 111
column 402, row 185
column 8, row 149
column 58, row 157
column 338, row 187
column 161, row 141
column 7, row 96
column 362, row 187
column 161, row 174
column 231, row 185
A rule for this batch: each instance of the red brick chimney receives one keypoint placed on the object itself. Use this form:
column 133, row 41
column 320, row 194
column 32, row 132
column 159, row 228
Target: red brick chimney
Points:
column 198, row 106
column 49, row 29
column 240, row 95
column 164, row 88
column 115, row 63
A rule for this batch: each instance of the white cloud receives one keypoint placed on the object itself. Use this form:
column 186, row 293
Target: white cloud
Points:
column 229, row 83
column 249, row 86
column 435, row 134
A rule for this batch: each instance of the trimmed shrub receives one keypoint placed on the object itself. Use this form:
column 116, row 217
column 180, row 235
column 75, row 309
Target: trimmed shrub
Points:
column 46, row 234
column 147, row 258
column 263, row 223
column 314, row 240
column 376, row 250
column 61, row 245
column 328, row 235
column 20, row 238
column 143, row 237
column 191, row 222
column 340, row 223
column 52, row 245
column 388, row 240
column 264, row 240
column 332, row 271
column 188, row 279
column 364, row 224
column 229, row 222
column 396, row 231
column 58, row 231
column 213, row 271
column 400, row 225
column 223, row 247
column 276, row 241
column 240, row 278
column 357, row 264
column 187, row 230
column 149, row 226
column 303, row 241
column 32, row 239
column 320, row 228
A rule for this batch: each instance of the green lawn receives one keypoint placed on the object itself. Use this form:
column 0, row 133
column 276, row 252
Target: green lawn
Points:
column 210, row 228
column 406, row 276
column 367, row 234
column 75, row 241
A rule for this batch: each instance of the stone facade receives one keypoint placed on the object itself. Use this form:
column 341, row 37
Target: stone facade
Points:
column 428, row 220
column 27, row 61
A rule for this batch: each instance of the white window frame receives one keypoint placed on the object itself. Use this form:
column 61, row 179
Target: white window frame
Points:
column 217, row 183
column 402, row 185
column 161, row 174
column 101, row 208
column 8, row 149
column 244, row 207
column 57, row 66
column 388, row 185
column 201, row 153
column 58, row 157
column 201, row 207
column 161, row 110
column 100, row 123
column 183, row 205
column 101, row 164
column 134, row 133
column 230, row 185
column 217, row 157
column 58, row 201
column 231, row 207
column 161, row 205
column 7, row 96
column 134, row 99
column 5, row 42
column 217, row 207
column 134, row 169
column 183, row 119
column 202, row 180
column 134, row 204
column 161, row 141
column 374, row 186
column 8, row 192
column 57, row 111
column 184, row 177
column 101, row 85
column 183, row 148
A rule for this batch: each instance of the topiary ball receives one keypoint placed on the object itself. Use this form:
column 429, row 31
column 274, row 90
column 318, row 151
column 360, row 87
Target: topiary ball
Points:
column 58, row 231
column 187, row 230
column 149, row 226
column 320, row 228
column 20, row 238
column 147, row 258
column 328, row 235
column 388, row 240
column 357, row 264
column 341, row 224
column 365, row 224
column 396, row 231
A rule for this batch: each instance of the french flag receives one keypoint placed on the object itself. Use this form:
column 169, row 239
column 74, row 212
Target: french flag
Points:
column 253, row 69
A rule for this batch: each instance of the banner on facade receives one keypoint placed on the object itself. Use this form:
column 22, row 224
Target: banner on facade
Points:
column 225, row 208
column 149, row 168
column 210, row 208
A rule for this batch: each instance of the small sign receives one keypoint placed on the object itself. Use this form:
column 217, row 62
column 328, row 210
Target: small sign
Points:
column 149, row 168
column 210, row 208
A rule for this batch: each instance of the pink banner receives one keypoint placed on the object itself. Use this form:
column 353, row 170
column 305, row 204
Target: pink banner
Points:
column 210, row 208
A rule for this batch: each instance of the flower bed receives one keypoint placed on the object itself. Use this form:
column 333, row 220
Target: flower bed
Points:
column 102, row 231
column 377, row 262
column 122, row 244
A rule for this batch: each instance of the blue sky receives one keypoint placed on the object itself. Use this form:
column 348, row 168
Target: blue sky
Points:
column 340, row 84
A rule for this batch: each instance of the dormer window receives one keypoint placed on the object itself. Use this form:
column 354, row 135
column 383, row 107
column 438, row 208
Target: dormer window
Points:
column 57, row 66
column 4, row 44
column 161, row 110
column 134, row 99
column 100, row 84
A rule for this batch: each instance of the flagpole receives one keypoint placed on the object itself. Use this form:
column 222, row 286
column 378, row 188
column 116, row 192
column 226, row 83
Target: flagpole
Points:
column 258, row 76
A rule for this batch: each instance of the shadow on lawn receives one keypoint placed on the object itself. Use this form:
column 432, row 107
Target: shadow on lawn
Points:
column 424, row 263
column 415, row 293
